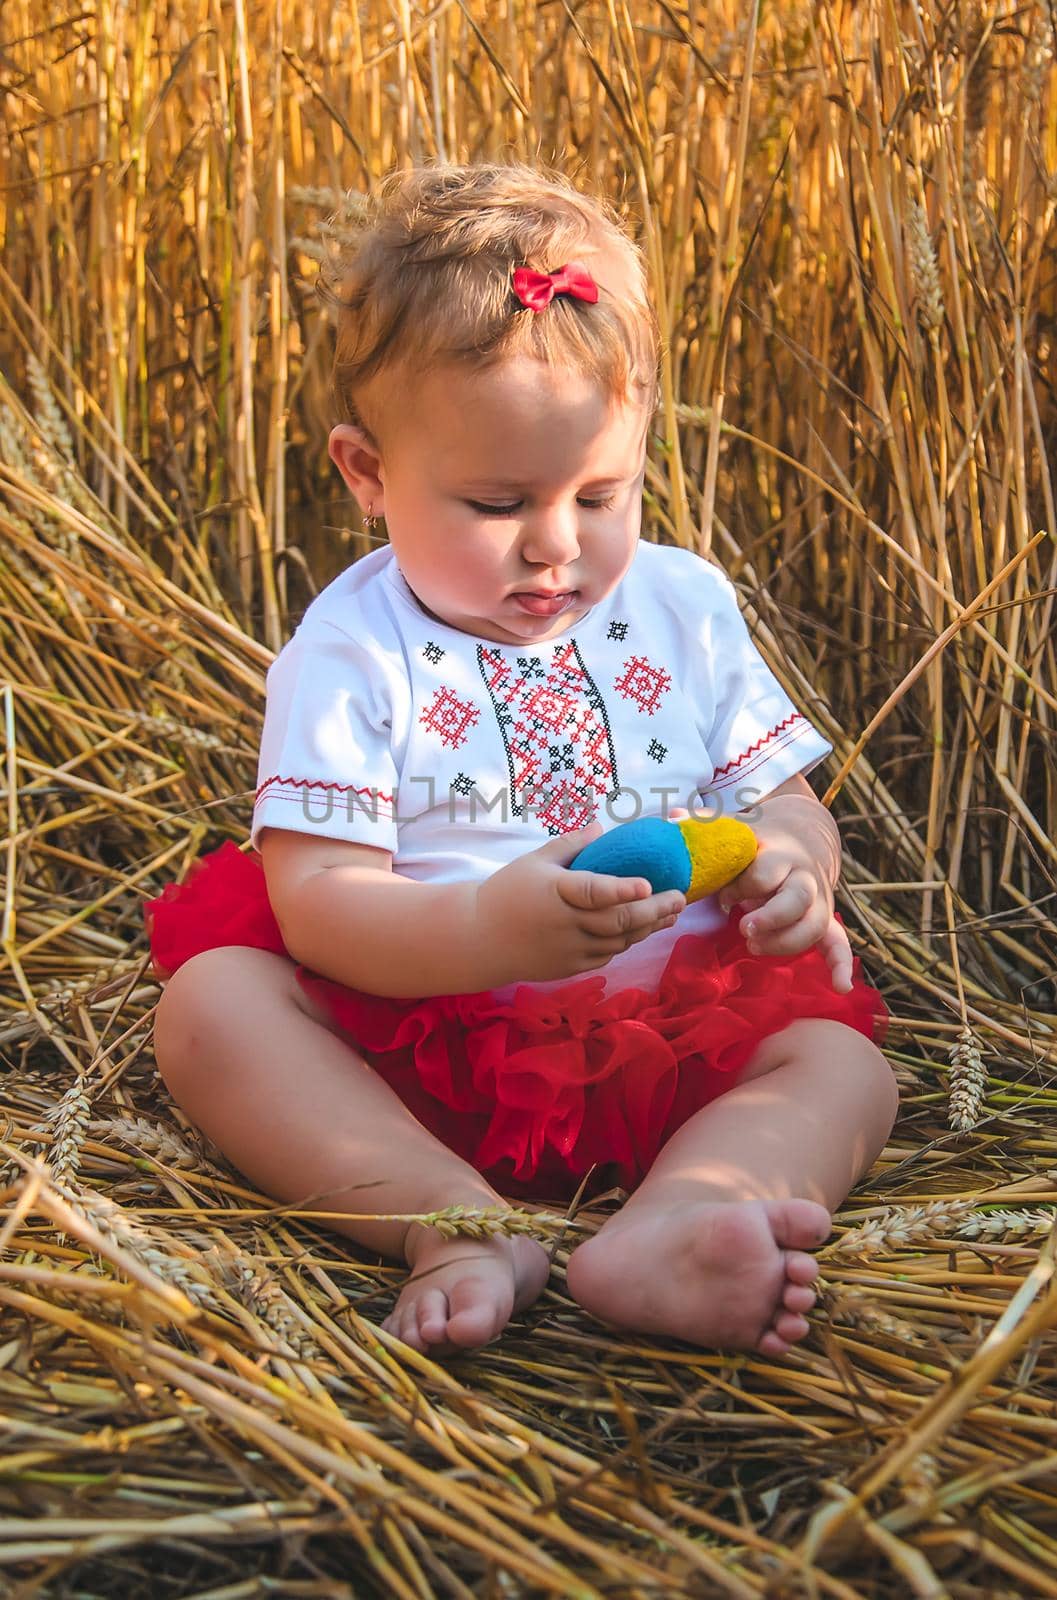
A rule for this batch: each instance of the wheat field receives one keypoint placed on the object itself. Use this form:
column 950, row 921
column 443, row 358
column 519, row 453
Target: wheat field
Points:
column 848, row 211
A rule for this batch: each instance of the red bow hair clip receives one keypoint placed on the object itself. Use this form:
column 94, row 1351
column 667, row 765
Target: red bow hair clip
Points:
column 537, row 289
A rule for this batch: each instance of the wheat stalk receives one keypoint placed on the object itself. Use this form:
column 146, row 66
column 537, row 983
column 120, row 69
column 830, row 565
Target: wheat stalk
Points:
column 181, row 732
column 999, row 1225
column 69, row 1119
column 152, row 1139
column 978, row 55
column 898, row 1227
column 63, row 1129
column 144, row 1244
column 1038, row 51
column 489, row 1222
column 968, row 1082
column 923, row 269
column 856, row 1308
column 920, row 1478
column 261, row 1294
column 46, row 408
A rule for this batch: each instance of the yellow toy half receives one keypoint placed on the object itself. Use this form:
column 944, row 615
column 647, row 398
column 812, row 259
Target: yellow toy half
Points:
column 695, row 856
column 718, row 851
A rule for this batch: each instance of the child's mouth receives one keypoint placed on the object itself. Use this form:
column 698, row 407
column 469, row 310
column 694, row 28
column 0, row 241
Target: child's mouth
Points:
column 544, row 605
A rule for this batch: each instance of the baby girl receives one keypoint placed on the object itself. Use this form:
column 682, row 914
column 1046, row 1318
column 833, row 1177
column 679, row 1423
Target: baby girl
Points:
column 404, row 997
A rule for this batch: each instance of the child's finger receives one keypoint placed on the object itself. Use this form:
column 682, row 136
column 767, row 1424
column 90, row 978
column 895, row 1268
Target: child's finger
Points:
column 791, row 941
column 597, row 891
column 762, row 878
column 737, row 891
column 640, row 916
column 753, row 903
column 793, row 903
column 835, row 946
column 568, row 845
column 609, row 945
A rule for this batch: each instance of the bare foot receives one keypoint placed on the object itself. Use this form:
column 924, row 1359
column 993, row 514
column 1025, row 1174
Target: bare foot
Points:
column 463, row 1292
column 728, row 1274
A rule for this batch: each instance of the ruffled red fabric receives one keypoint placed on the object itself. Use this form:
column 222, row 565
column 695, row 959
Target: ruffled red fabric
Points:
column 223, row 900
column 535, row 1090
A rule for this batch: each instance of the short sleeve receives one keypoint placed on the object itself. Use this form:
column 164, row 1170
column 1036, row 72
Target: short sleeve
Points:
column 755, row 737
column 326, row 763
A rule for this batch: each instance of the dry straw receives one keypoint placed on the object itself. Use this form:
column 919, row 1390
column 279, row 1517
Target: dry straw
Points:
column 849, row 215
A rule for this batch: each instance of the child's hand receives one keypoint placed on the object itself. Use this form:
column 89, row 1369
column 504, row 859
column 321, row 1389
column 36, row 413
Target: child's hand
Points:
column 786, row 893
column 538, row 920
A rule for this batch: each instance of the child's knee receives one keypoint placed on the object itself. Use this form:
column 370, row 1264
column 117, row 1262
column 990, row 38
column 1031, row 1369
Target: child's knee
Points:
column 852, row 1054
column 202, row 999
column 879, row 1087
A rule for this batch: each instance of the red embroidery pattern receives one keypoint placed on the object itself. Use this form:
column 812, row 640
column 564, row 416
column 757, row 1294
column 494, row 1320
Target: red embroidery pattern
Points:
column 566, row 807
column 643, row 684
column 784, row 732
column 318, row 783
column 450, row 717
column 556, row 731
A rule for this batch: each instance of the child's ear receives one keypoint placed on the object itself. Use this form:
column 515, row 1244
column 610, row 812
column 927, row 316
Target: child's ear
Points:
column 358, row 459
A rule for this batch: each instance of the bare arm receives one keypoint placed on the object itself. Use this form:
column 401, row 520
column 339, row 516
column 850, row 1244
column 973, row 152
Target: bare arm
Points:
column 345, row 913
column 786, row 893
column 811, row 818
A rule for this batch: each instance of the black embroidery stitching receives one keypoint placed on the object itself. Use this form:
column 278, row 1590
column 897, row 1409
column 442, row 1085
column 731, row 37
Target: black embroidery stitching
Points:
column 505, row 718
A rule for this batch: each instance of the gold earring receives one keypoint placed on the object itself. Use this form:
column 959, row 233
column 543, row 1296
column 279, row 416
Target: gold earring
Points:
column 370, row 521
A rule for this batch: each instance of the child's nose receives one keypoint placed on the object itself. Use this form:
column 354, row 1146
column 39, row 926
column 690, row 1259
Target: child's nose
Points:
column 552, row 539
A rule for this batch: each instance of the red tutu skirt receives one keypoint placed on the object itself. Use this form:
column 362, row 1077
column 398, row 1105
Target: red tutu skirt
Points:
column 536, row 1090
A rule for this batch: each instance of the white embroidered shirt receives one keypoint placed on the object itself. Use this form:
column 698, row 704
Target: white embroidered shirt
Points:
column 386, row 727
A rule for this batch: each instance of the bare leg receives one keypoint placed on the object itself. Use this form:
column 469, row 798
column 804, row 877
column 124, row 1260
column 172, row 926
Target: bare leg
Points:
column 285, row 1096
column 711, row 1247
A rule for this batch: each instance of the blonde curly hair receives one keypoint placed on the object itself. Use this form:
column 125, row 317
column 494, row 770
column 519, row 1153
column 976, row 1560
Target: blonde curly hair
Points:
column 422, row 277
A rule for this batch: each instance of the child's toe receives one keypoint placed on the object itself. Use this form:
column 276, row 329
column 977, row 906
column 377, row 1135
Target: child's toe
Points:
column 791, row 1327
column 771, row 1345
column 403, row 1324
column 799, row 1224
column 800, row 1268
column 430, row 1311
column 798, row 1297
column 476, row 1316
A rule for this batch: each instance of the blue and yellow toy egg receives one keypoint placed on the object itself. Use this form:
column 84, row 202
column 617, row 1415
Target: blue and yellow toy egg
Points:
column 694, row 856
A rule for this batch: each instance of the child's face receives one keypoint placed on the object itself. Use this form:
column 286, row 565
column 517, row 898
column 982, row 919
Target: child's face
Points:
column 512, row 497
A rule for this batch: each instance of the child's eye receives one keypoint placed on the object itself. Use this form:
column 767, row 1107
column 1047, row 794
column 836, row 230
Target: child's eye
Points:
column 507, row 511
column 494, row 511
